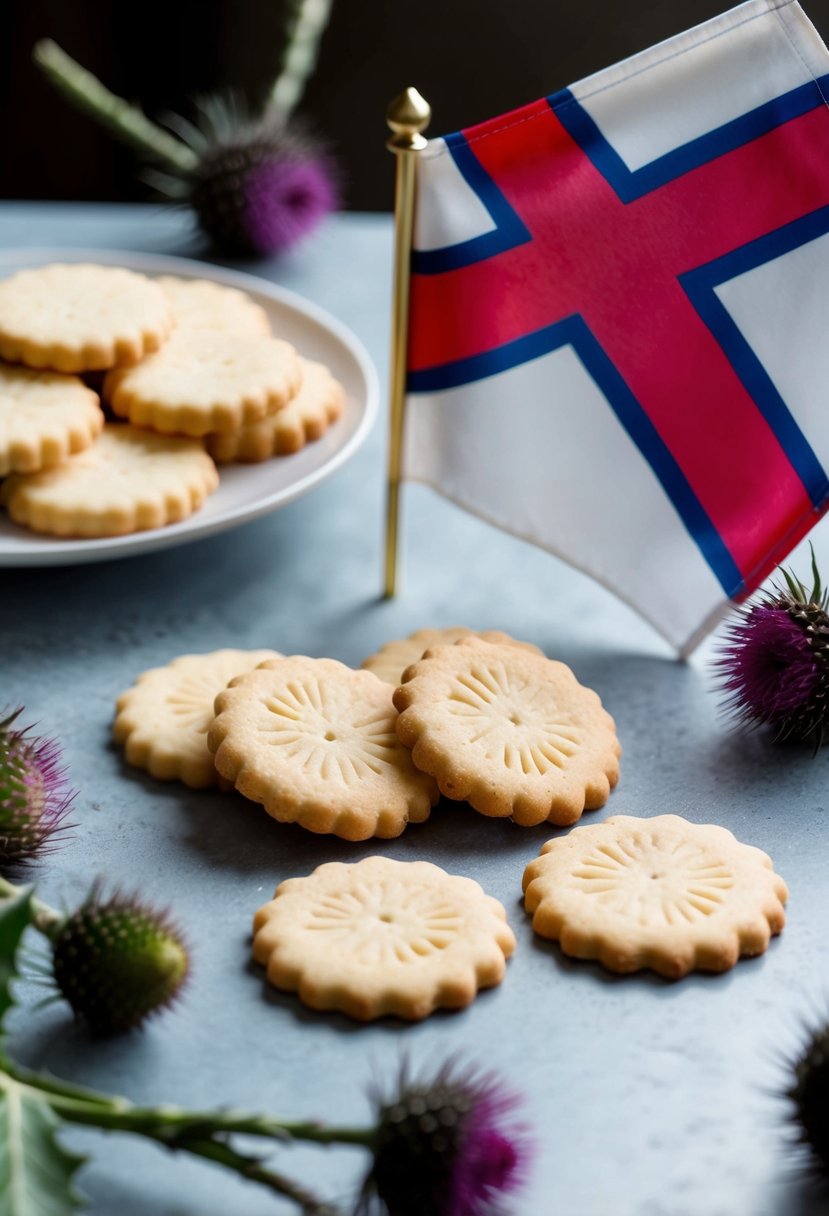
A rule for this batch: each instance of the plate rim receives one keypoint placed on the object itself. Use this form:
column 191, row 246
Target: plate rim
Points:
column 77, row 551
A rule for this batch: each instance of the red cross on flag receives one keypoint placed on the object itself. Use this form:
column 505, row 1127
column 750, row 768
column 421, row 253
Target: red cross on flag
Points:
column 619, row 332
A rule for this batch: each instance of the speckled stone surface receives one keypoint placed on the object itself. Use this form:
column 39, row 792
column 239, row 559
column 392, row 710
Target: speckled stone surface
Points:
column 646, row 1098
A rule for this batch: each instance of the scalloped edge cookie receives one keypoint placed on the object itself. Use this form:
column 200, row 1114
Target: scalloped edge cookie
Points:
column 380, row 937
column 318, row 403
column 162, row 720
column 510, row 731
column 45, row 417
column 86, row 496
column 313, row 741
column 204, row 380
column 45, row 321
column 394, row 657
column 660, row 893
column 203, row 304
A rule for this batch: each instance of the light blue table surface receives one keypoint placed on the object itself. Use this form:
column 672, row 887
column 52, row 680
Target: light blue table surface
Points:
column 646, row 1098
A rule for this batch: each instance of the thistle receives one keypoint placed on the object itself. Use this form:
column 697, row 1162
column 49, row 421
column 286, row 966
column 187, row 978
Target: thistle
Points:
column 117, row 962
column 34, row 795
column 257, row 187
column 809, row 1094
column 444, row 1146
column 441, row 1147
column 774, row 665
column 254, row 182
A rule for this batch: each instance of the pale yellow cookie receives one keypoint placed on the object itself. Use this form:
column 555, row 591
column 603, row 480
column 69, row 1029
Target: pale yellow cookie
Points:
column 508, row 730
column 202, row 304
column 383, row 937
column 163, row 720
column 314, row 742
column 318, row 403
column 44, row 418
column 128, row 481
column 392, row 659
column 205, row 381
column 77, row 318
column 661, row 893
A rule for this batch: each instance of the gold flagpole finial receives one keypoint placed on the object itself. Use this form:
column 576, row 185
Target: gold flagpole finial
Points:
column 407, row 116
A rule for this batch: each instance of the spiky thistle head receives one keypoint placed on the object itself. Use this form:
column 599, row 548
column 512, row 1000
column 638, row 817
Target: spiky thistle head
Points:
column 446, row 1145
column 809, row 1094
column 774, row 663
column 35, row 796
column 117, row 961
column 257, row 186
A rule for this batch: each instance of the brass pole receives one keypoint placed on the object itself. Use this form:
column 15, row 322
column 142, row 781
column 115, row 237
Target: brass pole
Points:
column 407, row 116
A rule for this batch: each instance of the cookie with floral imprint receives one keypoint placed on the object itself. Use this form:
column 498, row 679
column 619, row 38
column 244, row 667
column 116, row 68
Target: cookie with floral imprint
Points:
column 314, row 742
column 508, row 730
column 383, row 937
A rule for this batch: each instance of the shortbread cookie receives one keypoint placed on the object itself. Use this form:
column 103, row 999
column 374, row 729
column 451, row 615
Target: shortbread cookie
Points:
column 510, row 731
column 383, row 937
column 44, row 418
column 314, row 742
column 163, row 720
column 201, row 304
column 77, row 318
column 392, row 659
column 205, row 381
column 128, row 481
column 660, row 893
column 318, row 403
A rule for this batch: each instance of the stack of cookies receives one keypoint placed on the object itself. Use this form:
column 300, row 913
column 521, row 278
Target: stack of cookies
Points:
column 485, row 719
column 191, row 377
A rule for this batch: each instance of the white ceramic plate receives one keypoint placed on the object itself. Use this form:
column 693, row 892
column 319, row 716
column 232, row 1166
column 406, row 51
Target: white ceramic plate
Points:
column 245, row 491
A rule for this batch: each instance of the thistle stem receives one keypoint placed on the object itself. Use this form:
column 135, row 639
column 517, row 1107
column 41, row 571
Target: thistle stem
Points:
column 202, row 1134
column 307, row 21
column 125, row 121
column 178, row 1127
column 174, row 1125
column 252, row 1170
column 46, row 920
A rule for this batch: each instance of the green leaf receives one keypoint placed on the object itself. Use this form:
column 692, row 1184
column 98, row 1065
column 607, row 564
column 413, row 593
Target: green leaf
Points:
column 815, row 576
column 15, row 916
column 35, row 1171
column 796, row 588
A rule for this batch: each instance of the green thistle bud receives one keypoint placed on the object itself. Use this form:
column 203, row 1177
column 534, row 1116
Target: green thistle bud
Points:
column 34, row 795
column 118, row 962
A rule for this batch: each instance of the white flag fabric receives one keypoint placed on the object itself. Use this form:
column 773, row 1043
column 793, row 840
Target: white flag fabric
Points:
column 617, row 342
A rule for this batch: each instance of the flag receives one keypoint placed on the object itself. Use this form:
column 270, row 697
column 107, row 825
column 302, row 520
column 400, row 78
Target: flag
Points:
column 619, row 335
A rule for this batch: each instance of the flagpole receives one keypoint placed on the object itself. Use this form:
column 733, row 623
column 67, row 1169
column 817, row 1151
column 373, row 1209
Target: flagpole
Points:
column 407, row 116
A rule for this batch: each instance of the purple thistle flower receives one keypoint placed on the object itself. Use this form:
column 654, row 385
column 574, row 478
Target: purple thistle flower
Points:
column 257, row 186
column 773, row 665
column 770, row 666
column 34, row 795
column 286, row 197
column 446, row 1146
column 256, row 183
column 487, row 1162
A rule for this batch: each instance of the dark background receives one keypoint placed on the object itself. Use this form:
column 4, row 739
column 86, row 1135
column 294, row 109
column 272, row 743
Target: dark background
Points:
column 472, row 59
